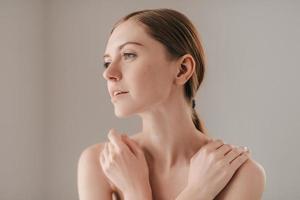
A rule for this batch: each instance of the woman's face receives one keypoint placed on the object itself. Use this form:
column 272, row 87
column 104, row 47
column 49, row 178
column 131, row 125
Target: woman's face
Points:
column 141, row 68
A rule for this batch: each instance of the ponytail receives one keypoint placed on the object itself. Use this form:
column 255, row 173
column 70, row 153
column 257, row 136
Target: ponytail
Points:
column 196, row 120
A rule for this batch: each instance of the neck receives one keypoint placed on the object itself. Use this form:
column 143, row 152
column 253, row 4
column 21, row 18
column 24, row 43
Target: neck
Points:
column 171, row 137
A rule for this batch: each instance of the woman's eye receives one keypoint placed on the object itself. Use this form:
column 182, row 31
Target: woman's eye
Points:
column 126, row 55
column 129, row 55
column 105, row 65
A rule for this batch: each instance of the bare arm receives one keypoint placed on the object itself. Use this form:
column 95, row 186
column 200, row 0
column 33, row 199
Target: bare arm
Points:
column 248, row 183
column 92, row 183
column 192, row 194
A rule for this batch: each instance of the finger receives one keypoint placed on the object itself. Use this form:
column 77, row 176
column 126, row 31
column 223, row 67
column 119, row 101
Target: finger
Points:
column 236, row 163
column 104, row 154
column 115, row 139
column 111, row 151
column 125, row 140
column 102, row 157
column 215, row 144
column 132, row 145
column 105, row 150
column 225, row 148
column 234, row 153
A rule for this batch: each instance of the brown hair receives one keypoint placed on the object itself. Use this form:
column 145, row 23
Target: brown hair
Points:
column 179, row 36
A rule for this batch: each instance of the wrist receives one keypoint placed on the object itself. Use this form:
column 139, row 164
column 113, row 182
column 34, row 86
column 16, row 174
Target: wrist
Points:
column 193, row 193
column 202, row 193
column 141, row 192
column 138, row 195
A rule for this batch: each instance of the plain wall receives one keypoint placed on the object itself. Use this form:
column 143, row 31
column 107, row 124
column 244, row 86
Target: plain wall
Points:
column 55, row 103
column 22, row 100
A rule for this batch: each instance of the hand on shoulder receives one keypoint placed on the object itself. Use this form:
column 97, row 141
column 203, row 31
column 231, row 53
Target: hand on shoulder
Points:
column 247, row 183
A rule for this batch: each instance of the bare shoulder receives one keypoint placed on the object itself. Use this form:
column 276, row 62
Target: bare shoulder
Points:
column 91, row 181
column 90, row 155
column 247, row 183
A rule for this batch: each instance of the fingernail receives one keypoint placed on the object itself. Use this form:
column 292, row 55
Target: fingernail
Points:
column 111, row 130
column 111, row 133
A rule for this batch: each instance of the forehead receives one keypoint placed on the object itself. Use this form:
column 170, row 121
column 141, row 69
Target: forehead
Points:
column 128, row 31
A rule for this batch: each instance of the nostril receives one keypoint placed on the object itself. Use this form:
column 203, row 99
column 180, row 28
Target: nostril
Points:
column 112, row 78
column 112, row 75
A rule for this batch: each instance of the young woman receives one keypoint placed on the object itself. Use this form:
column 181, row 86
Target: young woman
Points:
column 154, row 64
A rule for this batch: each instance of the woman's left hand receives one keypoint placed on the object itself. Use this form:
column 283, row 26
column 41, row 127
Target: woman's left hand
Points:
column 124, row 163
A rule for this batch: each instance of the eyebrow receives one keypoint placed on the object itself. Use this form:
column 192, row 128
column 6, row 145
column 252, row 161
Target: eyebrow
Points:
column 122, row 45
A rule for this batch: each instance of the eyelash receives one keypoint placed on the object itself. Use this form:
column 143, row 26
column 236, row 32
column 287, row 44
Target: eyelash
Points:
column 106, row 64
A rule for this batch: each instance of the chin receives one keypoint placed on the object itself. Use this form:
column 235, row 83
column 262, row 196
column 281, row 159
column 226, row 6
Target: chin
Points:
column 124, row 110
column 123, row 113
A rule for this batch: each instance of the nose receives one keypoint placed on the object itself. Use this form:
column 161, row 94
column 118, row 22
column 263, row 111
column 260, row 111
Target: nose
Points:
column 112, row 73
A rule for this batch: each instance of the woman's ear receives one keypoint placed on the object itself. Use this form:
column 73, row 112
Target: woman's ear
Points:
column 185, row 70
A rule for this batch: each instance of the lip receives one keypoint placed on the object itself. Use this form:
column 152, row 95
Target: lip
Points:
column 113, row 90
column 119, row 96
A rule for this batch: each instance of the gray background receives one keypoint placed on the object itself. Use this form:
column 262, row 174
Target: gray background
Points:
column 54, row 101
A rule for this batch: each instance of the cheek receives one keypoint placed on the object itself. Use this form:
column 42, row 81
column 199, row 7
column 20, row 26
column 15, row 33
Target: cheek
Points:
column 150, row 83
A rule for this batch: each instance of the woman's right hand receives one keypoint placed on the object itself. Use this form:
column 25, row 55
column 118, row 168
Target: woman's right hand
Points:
column 213, row 166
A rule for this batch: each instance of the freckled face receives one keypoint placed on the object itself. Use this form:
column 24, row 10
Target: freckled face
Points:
column 143, row 70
